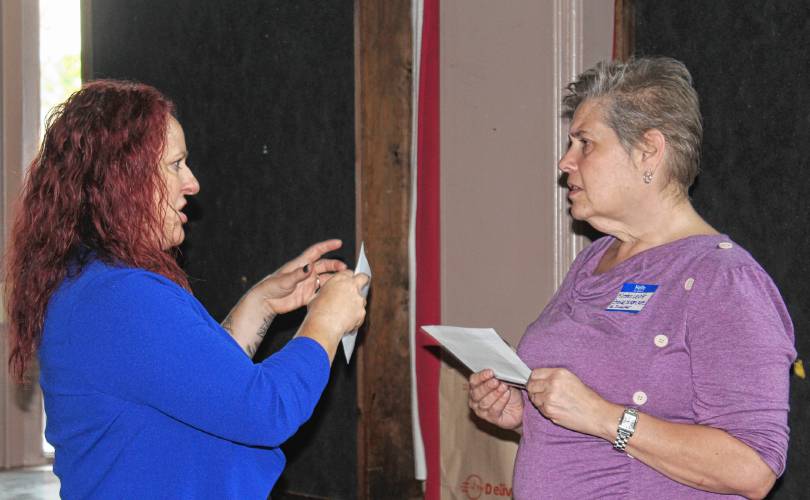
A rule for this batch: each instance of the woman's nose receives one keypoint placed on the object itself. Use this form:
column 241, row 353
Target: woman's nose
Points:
column 566, row 163
column 190, row 184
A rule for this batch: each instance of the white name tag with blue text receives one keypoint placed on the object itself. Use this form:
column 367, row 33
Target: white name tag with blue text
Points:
column 632, row 298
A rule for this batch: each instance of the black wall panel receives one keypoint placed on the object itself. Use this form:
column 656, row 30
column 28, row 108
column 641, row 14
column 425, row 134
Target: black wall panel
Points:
column 265, row 92
column 750, row 65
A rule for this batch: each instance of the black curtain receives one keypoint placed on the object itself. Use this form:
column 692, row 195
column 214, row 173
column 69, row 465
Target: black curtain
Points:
column 750, row 65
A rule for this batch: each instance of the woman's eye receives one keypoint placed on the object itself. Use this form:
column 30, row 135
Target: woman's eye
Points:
column 176, row 166
column 586, row 144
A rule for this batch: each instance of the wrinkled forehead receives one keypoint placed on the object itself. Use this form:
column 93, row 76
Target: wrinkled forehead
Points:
column 589, row 113
column 175, row 138
column 590, row 118
column 173, row 127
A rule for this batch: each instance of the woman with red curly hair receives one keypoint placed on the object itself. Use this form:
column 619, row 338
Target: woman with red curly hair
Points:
column 146, row 395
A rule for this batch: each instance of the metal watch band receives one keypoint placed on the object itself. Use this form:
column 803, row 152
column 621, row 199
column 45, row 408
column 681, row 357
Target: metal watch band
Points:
column 627, row 426
column 622, row 438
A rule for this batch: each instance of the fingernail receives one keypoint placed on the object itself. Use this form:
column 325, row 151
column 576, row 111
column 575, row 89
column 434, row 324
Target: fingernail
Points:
column 306, row 269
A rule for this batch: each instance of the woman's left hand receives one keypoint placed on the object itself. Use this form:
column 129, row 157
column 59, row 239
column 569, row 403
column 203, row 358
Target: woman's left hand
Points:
column 565, row 400
column 294, row 284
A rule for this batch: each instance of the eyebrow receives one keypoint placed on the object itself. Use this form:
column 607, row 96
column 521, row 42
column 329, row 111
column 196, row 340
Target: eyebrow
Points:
column 577, row 134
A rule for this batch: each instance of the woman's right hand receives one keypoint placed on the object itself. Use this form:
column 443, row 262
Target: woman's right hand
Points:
column 337, row 309
column 494, row 401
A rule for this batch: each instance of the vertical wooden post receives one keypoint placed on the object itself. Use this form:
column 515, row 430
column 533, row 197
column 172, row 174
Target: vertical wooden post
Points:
column 20, row 404
column 86, row 20
column 383, row 69
column 624, row 31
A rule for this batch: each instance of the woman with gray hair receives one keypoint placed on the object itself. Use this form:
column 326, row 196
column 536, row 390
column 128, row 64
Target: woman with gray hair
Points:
column 666, row 341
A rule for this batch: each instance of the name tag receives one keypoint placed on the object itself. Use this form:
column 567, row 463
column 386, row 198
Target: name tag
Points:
column 632, row 298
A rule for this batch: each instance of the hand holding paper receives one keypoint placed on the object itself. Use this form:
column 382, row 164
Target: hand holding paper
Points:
column 362, row 266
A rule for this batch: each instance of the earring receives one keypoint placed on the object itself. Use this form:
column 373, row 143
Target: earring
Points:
column 647, row 177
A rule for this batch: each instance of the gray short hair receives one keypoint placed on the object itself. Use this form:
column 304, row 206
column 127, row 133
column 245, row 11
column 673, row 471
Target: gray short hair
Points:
column 643, row 94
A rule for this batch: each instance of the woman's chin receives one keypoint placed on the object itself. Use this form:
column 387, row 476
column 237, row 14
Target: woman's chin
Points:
column 578, row 214
column 179, row 240
column 175, row 240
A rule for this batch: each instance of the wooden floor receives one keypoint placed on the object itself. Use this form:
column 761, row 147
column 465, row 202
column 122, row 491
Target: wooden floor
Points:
column 37, row 483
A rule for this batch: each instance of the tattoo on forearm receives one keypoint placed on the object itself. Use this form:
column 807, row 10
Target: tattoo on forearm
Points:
column 265, row 325
column 227, row 325
column 249, row 346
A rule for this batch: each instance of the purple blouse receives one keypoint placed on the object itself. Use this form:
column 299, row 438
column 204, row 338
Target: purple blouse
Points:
column 693, row 331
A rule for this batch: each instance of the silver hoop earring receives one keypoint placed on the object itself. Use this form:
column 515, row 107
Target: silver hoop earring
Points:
column 647, row 177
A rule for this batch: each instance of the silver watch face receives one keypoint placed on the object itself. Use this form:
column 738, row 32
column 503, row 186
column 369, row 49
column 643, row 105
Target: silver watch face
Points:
column 629, row 422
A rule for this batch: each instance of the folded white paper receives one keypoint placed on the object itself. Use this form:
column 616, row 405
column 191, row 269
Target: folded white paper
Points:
column 362, row 266
column 482, row 348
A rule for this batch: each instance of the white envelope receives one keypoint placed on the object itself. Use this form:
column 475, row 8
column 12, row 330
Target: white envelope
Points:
column 482, row 348
column 362, row 266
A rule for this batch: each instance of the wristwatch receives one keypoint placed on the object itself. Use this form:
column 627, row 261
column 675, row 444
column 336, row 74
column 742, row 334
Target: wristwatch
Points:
column 627, row 426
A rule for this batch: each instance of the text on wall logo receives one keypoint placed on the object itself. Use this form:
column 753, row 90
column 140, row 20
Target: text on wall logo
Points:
column 475, row 487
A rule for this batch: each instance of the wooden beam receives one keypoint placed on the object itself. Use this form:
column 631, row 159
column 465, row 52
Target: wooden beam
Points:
column 86, row 20
column 383, row 83
column 624, row 37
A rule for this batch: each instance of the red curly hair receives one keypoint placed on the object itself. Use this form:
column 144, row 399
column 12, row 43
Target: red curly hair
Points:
column 90, row 193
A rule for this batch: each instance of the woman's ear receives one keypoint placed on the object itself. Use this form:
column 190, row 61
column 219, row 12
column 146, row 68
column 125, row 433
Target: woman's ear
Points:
column 653, row 147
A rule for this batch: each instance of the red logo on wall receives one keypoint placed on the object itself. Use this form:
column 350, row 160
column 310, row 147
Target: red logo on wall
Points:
column 474, row 487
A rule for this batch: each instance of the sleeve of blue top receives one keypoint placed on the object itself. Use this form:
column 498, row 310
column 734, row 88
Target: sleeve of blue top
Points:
column 140, row 339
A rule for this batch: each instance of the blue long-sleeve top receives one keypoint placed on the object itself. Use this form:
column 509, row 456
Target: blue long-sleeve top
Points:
column 146, row 396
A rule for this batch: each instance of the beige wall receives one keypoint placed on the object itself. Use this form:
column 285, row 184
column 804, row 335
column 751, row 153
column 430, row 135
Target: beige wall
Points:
column 506, row 236
column 20, row 407
column 497, row 162
column 503, row 66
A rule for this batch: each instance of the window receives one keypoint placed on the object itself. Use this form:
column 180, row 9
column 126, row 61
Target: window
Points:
column 60, row 45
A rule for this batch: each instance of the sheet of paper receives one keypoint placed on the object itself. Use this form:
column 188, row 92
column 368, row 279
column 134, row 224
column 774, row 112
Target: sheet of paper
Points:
column 482, row 348
column 362, row 266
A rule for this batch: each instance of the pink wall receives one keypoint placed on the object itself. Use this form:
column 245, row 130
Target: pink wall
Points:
column 506, row 239
column 502, row 66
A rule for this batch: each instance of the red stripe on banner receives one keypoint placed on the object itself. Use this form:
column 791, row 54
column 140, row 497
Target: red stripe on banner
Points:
column 428, row 279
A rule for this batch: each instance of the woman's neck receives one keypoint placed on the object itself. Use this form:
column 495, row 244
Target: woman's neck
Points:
column 655, row 226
